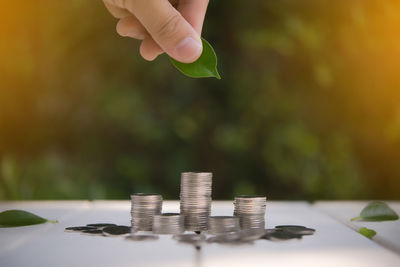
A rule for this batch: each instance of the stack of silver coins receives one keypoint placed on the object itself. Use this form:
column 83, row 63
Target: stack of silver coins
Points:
column 168, row 223
column 195, row 199
column 223, row 224
column 144, row 207
column 251, row 211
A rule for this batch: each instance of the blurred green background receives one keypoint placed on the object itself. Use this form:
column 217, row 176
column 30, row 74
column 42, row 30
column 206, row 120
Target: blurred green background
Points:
column 308, row 106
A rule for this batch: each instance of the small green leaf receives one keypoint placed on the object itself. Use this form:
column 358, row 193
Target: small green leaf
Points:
column 204, row 66
column 377, row 211
column 13, row 218
column 367, row 232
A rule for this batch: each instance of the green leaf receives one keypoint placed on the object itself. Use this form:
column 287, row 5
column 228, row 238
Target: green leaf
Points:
column 13, row 218
column 204, row 66
column 377, row 211
column 367, row 232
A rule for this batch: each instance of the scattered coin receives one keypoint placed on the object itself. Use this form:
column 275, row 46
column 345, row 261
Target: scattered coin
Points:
column 100, row 225
column 292, row 226
column 296, row 229
column 79, row 228
column 117, row 230
column 93, row 232
column 280, row 234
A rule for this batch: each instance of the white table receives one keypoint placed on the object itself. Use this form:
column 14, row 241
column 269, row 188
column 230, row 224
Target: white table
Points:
column 335, row 243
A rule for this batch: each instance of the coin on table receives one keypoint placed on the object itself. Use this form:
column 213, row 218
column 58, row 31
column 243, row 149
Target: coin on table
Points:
column 93, row 232
column 116, row 230
column 280, row 234
column 100, row 225
column 79, row 228
column 296, row 229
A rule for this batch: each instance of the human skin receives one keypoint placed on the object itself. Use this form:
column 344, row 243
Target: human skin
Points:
column 164, row 26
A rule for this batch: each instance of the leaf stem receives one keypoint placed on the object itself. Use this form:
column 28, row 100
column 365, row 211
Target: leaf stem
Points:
column 356, row 218
column 50, row 221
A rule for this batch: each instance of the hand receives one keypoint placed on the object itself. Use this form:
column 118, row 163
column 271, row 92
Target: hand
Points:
column 170, row 26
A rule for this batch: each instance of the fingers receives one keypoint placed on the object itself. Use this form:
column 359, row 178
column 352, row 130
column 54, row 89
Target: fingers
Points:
column 194, row 12
column 168, row 28
column 117, row 12
column 131, row 27
column 149, row 49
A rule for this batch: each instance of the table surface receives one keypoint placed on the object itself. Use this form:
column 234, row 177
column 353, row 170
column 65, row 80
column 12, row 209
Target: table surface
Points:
column 336, row 241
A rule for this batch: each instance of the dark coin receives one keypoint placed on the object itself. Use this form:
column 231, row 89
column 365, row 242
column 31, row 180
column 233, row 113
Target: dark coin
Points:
column 295, row 229
column 79, row 228
column 117, row 230
column 100, row 225
column 291, row 226
column 93, row 232
column 280, row 234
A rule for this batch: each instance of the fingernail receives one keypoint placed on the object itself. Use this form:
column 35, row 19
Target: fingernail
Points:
column 188, row 50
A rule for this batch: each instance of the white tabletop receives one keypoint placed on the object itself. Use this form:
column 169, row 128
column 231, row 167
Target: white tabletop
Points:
column 333, row 244
column 387, row 232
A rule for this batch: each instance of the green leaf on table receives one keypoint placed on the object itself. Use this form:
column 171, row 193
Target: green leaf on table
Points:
column 367, row 232
column 13, row 218
column 204, row 66
column 377, row 211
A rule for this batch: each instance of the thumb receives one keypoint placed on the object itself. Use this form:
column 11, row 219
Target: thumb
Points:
column 168, row 28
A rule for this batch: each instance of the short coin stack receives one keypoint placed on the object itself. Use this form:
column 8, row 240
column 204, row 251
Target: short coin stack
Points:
column 251, row 211
column 168, row 223
column 195, row 199
column 144, row 207
column 223, row 224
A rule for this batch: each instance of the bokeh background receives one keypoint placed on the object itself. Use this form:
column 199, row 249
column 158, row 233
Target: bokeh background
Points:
column 308, row 106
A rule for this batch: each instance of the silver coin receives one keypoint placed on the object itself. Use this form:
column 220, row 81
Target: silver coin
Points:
column 168, row 223
column 144, row 207
column 223, row 224
column 250, row 210
column 195, row 199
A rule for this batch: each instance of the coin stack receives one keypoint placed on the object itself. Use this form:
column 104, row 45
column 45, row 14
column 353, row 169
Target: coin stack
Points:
column 144, row 207
column 195, row 199
column 251, row 211
column 168, row 223
column 223, row 224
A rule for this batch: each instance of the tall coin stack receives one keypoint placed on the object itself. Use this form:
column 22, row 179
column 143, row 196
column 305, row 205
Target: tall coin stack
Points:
column 195, row 199
column 251, row 211
column 168, row 223
column 144, row 207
